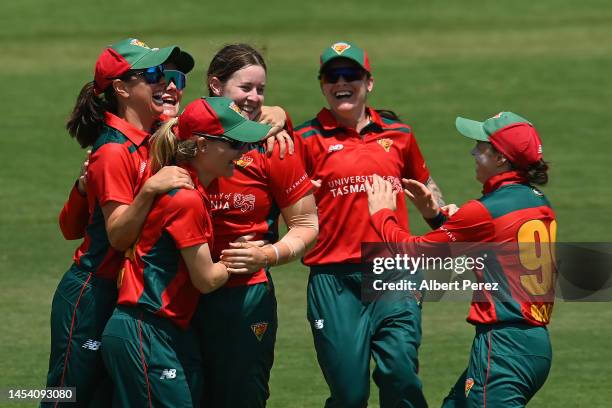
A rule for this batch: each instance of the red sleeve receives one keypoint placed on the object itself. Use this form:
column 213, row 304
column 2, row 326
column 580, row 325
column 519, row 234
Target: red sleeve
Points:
column 75, row 215
column 415, row 167
column 301, row 149
column 471, row 224
column 288, row 124
column 111, row 175
column 288, row 179
column 187, row 220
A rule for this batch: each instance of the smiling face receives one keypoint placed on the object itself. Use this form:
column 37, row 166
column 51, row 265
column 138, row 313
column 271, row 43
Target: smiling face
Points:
column 245, row 87
column 141, row 97
column 171, row 96
column 489, row 161
column 346, row 97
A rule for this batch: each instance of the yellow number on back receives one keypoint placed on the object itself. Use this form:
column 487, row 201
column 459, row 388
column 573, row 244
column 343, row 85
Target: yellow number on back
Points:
column 536, row 257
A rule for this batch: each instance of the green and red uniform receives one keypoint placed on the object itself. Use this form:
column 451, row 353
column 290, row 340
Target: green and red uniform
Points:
column 348, row 331
column 238, row 322
column 511, row 353
column 86, row 295
column 148, row 347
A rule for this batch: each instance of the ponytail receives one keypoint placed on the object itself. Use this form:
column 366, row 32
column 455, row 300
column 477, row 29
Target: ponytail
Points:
column 537, row 173
column 167, row 149
column 87, row 117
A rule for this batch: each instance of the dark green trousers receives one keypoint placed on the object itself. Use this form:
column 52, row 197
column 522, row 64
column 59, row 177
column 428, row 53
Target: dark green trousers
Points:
column 348, row 332
column 152, row 362
column 81, row 306
column 508, row 364
column 237, row 329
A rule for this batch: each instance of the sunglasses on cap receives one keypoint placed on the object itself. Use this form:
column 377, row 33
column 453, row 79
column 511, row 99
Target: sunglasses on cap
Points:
column 333, row 75
column 179, row 79
column 234, row 144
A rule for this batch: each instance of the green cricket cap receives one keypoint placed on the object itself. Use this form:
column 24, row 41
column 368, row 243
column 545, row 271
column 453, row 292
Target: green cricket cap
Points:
column 345, row 50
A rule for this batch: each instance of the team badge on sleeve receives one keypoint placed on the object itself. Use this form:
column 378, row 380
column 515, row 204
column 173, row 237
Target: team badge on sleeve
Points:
column 340, row 47
column 259, row 329
column 385, row 143
column 469, row 383
column 244, row 160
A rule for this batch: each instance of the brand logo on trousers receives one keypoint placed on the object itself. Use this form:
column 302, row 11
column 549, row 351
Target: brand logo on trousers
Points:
column 319, row 324
column 92, row 345
column 168, row 374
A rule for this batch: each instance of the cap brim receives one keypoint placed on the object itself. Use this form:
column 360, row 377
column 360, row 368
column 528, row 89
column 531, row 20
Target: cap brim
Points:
column 155, row 57
column 471, row 128
column 248, row 131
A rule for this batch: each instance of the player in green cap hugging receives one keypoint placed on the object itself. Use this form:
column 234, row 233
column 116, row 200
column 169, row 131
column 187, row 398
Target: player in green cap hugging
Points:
column 113, row 115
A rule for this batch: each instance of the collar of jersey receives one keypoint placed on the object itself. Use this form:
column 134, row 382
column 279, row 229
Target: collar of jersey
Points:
column 196, row 182
column 135, row 135
column 502, row 179
column 328, row 121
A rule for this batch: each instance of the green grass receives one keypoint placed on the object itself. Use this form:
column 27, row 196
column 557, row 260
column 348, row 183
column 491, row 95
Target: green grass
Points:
column 548, row 60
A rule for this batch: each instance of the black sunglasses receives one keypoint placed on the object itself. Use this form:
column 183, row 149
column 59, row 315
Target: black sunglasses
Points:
column 234, row 144
column 333, row 75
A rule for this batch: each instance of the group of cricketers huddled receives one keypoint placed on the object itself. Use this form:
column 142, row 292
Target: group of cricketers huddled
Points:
column 170, row 302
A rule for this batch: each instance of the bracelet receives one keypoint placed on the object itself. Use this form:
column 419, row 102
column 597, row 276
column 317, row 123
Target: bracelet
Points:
column 277, row 254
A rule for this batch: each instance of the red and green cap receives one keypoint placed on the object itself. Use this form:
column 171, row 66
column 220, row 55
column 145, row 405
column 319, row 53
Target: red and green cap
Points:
column 219, row 116
column 512, row 135
column 132, row 53
column 345, row 50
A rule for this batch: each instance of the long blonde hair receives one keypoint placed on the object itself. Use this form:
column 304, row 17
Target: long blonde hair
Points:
column 167, row 149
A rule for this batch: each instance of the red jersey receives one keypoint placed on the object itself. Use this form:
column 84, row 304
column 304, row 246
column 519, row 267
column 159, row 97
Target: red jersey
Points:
column 117, row 167
column 343, row 159
column 155, row 276
column 75, row 215
column 511, row 212
column 250, row 202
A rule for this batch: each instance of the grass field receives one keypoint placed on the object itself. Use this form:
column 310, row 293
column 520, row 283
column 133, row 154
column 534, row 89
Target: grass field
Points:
column 548, row 60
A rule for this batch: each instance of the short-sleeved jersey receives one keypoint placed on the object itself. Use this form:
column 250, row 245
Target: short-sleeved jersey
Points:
column 117, row 168
column 154, row 275
column 343, row 159
column 517, row 219
column 250, row 201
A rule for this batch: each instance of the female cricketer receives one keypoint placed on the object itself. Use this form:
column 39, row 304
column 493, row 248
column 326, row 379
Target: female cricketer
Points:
column 237, row 324
column 150, row 351
column 113, row 114
column 342, row 148
column 75, row 213
column 511, row 352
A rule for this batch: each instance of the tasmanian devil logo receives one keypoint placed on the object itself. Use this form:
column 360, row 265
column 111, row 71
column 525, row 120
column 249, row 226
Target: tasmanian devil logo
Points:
column 244, row 160
column 246, row 202
column 139, row 43
column 340, row 47
column 259, row 329
column 385, row 143
column 469, row 383
column 235, row 108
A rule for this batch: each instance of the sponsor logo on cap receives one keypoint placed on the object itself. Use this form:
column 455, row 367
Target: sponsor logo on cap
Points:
column 335, row 148
column 340, row 47
column 539, row 149
column 235, row 108
column 244, row 160
column 469, row 383
column 259, row 329
column 139, row 43
column 386, row 144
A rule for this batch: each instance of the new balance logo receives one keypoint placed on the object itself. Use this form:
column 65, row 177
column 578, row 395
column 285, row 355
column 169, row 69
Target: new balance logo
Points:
column 168, row 374
column 92, row 345
column 319, row 324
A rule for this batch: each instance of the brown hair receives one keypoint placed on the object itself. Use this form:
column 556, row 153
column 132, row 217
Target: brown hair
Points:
column 166, row 149
column 232, row 58
column 537, row 173
column 87, row 117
